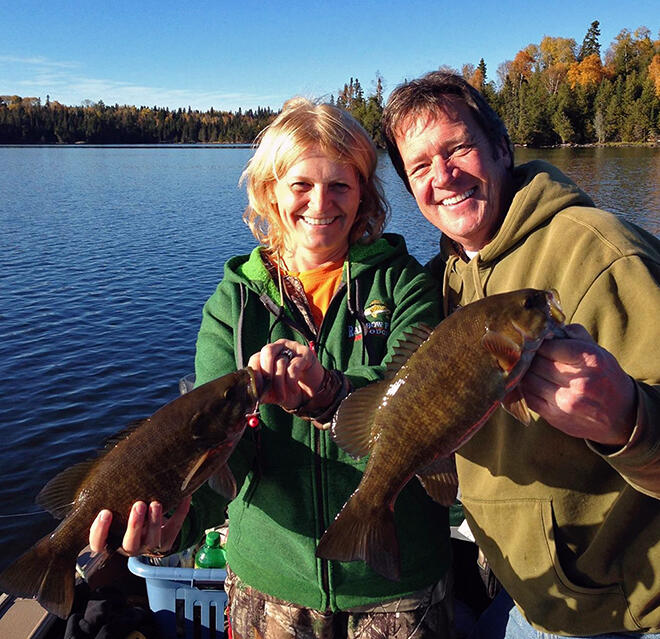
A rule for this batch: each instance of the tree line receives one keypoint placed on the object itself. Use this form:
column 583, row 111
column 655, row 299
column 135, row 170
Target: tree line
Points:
column 28, row 121
column 554, row 92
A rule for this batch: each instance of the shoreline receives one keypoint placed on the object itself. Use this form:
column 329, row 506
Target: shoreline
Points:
column 247, row 145
column 591, row 145
column 130, row 145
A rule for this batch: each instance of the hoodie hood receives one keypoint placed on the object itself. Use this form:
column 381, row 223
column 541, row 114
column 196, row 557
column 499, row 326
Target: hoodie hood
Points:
column 541, row 191
column 251, row 271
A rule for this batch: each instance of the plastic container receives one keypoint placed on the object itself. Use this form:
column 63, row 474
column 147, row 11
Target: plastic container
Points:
column 211, row 554
column 187, row 602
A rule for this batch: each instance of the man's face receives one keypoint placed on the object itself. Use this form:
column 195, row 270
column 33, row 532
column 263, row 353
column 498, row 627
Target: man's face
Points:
column 458, row 180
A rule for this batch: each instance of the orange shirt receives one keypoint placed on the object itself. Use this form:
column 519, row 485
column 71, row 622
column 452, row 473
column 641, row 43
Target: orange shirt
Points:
column 320, row 285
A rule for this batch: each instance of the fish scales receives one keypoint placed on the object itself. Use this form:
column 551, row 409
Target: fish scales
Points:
column 412, row 422
column 163, row 458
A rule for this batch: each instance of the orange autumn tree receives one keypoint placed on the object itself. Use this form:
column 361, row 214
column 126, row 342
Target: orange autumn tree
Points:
column 589, row 71
column 654, row 73
column 523, row 64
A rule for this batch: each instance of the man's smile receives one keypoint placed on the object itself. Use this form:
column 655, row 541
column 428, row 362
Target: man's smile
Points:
column 458, row 198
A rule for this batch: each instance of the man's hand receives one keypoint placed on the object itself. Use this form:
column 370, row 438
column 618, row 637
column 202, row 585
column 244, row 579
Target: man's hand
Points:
column 579, row 388
column 146, row 532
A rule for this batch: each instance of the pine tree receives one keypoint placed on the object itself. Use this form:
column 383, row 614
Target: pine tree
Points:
column 482, row 67
column 590, row 44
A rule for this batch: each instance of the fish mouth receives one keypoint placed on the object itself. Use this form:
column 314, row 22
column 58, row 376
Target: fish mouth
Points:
column 255, row 389
column 554, row 306
column 318, row 221
column 457, row 199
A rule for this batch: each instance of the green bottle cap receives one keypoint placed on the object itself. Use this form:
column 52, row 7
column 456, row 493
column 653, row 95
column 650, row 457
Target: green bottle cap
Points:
column 213, row 539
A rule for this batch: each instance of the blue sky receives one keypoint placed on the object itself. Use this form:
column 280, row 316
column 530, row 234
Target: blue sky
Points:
column 249, row 53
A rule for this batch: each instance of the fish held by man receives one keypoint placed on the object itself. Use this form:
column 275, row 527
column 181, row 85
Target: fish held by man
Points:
column 163, row 458
column 429, row 404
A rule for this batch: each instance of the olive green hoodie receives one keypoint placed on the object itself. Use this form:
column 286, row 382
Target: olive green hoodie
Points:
column 572, row 530
column 293, row 479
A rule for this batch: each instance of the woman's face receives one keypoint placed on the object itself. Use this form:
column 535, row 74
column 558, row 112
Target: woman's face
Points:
column 318, row 200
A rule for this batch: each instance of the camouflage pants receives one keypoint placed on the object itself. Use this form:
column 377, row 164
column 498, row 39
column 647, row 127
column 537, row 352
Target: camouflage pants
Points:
column 255, row 615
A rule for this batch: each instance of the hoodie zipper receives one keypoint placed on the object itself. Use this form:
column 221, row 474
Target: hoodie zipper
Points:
column 317, row 434
column 325, row 564
column 296, row 322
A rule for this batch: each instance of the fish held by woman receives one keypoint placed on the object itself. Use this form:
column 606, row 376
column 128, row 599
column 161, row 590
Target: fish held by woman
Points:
column 429, row 404
column 162, row 458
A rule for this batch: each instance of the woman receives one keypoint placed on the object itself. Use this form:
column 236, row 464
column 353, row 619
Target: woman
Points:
column 314, row 310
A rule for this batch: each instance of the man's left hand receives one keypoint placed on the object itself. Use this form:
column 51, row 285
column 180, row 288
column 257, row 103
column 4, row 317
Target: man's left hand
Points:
column 579, row 388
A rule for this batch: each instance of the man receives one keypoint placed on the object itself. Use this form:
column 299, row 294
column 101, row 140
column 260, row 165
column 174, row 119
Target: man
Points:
column 567, row 510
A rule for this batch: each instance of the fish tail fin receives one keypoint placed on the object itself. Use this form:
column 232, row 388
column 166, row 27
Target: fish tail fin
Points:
column 44, row 573
column 371, row 538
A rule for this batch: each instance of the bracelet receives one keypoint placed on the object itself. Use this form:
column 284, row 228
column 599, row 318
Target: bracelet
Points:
column 334, row 387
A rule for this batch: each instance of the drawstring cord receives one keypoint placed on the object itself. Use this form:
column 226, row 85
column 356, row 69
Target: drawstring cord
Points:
column 445, row 287
column 279, row 316
column 357, row 314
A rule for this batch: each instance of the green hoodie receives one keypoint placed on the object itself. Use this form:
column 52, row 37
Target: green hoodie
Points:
column 572, row 530
column 292, row 487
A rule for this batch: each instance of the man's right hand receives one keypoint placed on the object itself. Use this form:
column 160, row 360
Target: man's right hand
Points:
column 147, row 531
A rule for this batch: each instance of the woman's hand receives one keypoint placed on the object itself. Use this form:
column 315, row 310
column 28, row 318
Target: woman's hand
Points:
column 293, row 370
column 579, row 388
column 147, row 531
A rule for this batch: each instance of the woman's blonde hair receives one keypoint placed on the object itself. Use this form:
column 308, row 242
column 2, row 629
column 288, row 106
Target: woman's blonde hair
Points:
column 303, row 125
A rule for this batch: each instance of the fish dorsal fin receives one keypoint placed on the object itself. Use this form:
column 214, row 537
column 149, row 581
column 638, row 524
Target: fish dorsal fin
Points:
column 223, row 482
column 440, row 480
column 123, row 434
column 412, row 339
column 515, row 404
column 352, row 426
column 505, row 351
column 59, row 494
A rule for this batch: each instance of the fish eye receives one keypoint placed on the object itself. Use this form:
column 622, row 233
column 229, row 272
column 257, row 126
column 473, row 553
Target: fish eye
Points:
column 532, row 300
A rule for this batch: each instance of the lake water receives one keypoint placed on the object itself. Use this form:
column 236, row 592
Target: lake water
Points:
column 106, row 258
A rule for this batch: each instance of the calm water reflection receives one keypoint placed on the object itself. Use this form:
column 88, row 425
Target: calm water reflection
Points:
column 624, row 180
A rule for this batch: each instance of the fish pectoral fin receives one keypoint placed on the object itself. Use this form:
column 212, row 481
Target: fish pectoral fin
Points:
column 353, row 424
column 440, row 480
column 505, row 351
column 223, row 482
column 59, row 494
column 515, row 404
column 194, row 470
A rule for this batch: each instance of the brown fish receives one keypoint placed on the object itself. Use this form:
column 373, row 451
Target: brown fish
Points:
column 164, row 457
column 428, row 405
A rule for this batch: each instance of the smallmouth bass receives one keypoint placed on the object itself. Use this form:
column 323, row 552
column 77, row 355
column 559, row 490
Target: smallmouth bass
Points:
column 429, row 404
column 162, row 458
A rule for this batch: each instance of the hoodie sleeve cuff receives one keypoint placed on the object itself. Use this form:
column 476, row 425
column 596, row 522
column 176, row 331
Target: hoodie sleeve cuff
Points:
column 638, row 461
column 322, row 406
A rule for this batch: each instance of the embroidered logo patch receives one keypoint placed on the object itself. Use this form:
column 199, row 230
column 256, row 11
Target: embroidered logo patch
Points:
column 376, row 311
column 377, row 316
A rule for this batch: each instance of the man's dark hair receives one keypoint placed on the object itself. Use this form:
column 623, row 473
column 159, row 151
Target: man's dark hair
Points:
column 430, row 94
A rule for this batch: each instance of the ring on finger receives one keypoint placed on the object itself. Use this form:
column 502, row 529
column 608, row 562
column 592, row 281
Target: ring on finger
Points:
column 287, row 352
